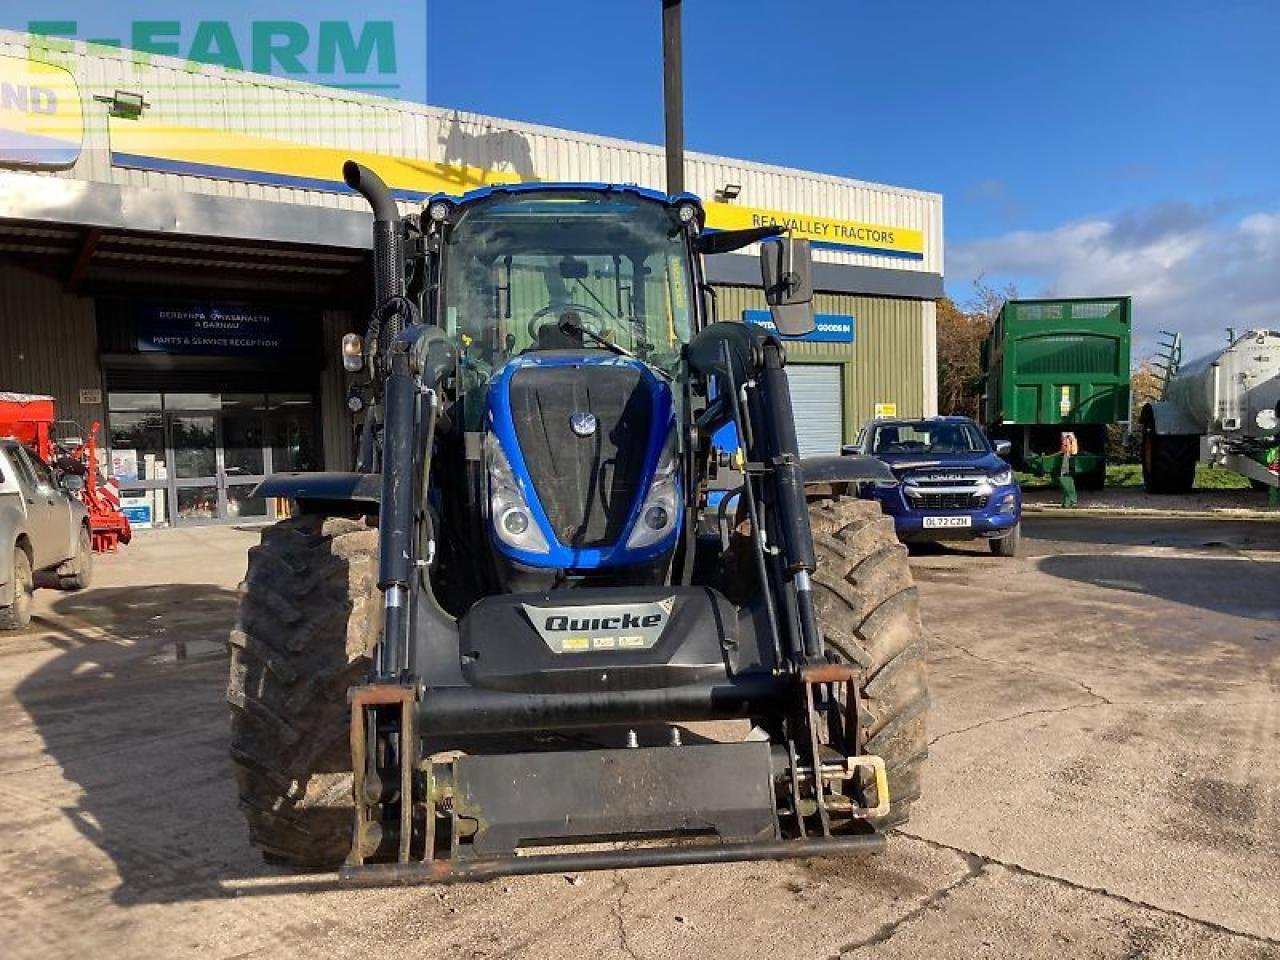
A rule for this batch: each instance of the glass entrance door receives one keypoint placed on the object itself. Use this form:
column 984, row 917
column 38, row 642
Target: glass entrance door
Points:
column 188, row 458
column 244, row 455
column 193, row 438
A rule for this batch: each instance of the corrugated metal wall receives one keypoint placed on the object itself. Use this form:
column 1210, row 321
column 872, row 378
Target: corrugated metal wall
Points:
column 49, row 344
column 882, row 365
column 182, row 93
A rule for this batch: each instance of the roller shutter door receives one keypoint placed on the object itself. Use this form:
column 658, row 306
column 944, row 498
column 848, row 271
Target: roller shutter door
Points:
column 817, row 399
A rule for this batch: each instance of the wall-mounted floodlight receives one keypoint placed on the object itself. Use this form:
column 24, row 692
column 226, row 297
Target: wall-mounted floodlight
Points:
column 125, row 105
column 728, row 192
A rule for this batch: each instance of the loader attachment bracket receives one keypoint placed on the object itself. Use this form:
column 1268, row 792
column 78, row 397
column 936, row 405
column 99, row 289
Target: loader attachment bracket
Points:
column 452, row 816
column 377, row 778
column 722, row 789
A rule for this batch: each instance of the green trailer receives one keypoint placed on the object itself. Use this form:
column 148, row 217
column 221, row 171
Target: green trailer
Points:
column 1053, row 366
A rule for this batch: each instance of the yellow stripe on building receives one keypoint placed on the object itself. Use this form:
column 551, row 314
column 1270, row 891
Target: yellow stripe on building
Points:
column 220, row 153
column 825, row 231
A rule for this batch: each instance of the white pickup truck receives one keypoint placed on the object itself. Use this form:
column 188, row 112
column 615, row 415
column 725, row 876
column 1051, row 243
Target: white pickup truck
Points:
column 44, row 533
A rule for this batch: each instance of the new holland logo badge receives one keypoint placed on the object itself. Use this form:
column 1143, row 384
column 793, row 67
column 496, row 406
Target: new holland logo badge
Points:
column 583, row 424
column 618, row 626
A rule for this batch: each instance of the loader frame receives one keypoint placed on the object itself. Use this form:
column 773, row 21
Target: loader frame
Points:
column 416, row 817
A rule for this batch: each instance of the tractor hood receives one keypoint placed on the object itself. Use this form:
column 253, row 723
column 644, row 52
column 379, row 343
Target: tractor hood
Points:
column 586, row 440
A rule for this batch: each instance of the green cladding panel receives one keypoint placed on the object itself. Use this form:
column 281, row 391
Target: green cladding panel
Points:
column 1059, row 362
column 885, row 362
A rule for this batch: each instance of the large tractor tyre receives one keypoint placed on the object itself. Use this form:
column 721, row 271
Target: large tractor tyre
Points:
column 79, row 573
column 869, row 613
column 1168, row 460
column 15, row 603
column 308, row 621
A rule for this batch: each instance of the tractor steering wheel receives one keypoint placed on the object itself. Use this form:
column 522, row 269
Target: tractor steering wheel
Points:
column 559, row 309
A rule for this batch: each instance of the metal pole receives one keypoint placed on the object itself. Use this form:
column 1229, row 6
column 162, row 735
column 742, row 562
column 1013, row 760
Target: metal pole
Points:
column 673, row 94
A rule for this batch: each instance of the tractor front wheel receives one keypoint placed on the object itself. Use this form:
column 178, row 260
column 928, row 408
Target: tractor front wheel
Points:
column 869, row 614
column 308, row 621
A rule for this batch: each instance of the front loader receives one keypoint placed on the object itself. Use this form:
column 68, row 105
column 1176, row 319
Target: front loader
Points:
column 546, row 625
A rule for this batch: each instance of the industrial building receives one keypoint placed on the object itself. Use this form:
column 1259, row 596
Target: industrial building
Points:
column 179, row 259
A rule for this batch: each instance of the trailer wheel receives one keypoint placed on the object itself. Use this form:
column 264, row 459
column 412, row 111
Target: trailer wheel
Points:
column 1095, row 479
column 307, row 622
column 1168, row 460
column 869, row 613
column 15, row 611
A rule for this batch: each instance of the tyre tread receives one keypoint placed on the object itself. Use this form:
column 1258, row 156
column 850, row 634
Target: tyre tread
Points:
column 869, row 612
column 306, row 625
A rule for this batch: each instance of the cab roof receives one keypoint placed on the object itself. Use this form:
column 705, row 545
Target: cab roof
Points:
column 482, row 193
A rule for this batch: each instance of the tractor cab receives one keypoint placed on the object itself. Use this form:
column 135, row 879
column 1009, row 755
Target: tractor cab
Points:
column 569, row 308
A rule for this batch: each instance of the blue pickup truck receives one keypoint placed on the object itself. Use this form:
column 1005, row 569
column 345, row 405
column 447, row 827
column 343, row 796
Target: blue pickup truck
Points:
column 952, row 482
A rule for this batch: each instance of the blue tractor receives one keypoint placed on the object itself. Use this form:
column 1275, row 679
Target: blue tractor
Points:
column 507, row 628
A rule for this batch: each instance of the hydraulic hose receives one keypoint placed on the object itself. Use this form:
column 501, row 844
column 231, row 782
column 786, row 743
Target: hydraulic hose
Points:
column 396, row 553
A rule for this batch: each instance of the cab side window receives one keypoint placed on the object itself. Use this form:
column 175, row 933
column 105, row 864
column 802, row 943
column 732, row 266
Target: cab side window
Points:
column 26, row 477
column 43, row 475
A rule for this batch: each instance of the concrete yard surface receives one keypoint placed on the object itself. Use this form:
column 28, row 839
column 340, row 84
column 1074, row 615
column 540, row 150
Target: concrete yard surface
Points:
column 1104, row 781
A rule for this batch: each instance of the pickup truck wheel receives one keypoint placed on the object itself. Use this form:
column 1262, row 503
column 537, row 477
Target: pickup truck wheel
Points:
column 307, row 622
column 81, row 574
column 869, row 614
column 1009, row 544
column 15, row 610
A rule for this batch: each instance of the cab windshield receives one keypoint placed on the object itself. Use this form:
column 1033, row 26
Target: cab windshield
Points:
column 926, row 437
column 566, row 270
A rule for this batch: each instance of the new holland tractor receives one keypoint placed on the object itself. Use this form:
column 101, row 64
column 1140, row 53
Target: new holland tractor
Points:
column 546, row 625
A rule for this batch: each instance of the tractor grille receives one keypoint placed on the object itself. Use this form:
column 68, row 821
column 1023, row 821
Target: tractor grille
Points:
column 948, row 501
column 586, row 485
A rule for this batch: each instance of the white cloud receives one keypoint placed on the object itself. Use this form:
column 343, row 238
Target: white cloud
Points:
column 1188, row 268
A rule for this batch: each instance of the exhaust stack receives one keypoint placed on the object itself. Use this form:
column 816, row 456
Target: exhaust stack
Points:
column 388, row 243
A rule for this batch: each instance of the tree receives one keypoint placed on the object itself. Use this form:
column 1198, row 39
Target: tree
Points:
column 961, row 331
column 1145, row 386
column 960, row 336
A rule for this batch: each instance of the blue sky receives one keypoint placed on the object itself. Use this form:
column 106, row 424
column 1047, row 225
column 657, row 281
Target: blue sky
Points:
column 1083, row 148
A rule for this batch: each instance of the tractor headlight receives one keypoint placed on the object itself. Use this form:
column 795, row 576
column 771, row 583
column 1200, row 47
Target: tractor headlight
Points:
column 657, row 520
column 352, row 352
column 508, row 507
column 1001, row 478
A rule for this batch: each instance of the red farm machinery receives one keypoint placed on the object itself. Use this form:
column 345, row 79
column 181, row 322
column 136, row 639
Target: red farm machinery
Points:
column 30, row 419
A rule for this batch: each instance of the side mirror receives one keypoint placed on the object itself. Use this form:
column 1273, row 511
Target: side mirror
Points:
column 72, row 482
column 786, row 270
column 1003, row 448
column 571, row 269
